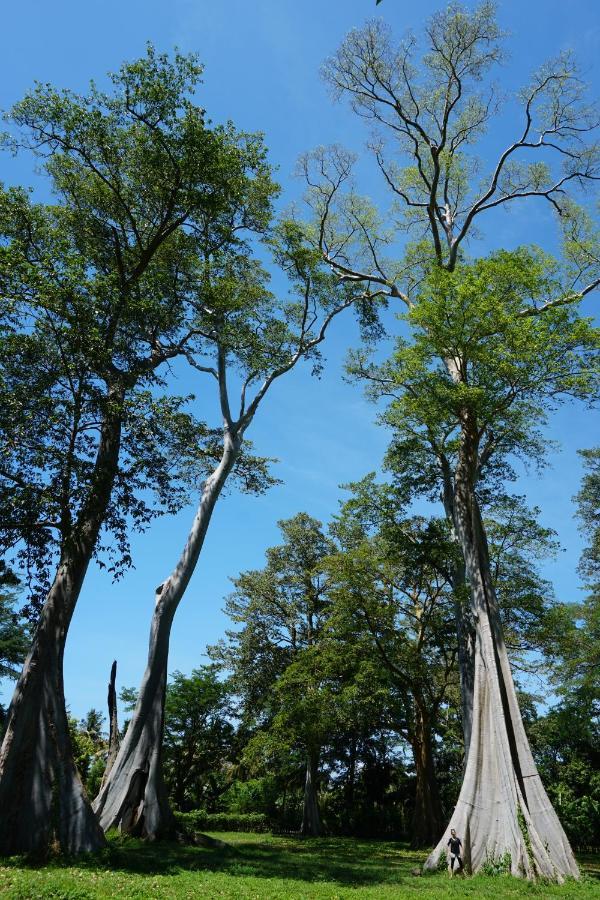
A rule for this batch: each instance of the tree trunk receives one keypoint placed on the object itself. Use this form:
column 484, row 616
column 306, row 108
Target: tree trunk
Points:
column 134, row 798
column 465, row 633
column 42, row 798
column 349, row 787
column 428, row 821
column 311, row 820
column 502, row 807
column 113, row 734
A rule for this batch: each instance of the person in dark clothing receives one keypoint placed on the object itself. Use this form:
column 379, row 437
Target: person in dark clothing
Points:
column 455, row 845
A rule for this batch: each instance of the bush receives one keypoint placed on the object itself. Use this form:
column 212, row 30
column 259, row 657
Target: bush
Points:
column 258, row 795
column 200, row 820
column 94, row 779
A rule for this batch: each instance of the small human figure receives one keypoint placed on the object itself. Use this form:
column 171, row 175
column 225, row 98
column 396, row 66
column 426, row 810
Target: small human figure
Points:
column 455, row 845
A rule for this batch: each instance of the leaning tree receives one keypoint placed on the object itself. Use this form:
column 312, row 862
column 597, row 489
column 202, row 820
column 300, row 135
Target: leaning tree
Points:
column 96, row 297
column 426, row 117
column 247, row 337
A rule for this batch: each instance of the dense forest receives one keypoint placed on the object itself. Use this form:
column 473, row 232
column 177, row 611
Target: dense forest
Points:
column 405, row 667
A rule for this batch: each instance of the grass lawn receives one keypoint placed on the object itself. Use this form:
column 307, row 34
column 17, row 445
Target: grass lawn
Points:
column 262, row 867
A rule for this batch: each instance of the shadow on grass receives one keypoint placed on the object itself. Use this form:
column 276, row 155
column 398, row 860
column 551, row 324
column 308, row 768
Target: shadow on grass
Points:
column 345, row 861
column 590, row 864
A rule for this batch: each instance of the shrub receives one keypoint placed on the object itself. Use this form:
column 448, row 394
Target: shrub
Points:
column 258, row 795
column 200, row 820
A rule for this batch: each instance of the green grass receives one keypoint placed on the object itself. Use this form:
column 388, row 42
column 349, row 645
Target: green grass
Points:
column 263, row 867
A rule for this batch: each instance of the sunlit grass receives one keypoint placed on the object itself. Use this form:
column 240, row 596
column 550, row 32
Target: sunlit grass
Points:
column 261, row 866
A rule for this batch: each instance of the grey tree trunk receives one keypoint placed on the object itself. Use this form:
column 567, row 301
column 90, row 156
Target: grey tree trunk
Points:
column 428, row 821
column 465, row 632
column 311, row 820
column 133, row 798
column 113, row 734
column 42, row 799
column 503, row 807
column 349, row 787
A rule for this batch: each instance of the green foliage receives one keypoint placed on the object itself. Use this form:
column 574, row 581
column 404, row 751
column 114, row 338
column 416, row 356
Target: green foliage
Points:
column 393, row 588
column 198, row 738
column 513, row 364
column 14, row 631
column 486, row 354
column 305, row 688
column 580, row 659
column 430, row 98
column 199, row 820
column 497, row 866
column 588, row 512
column 89, row 747
column 104, row 287
column 258, row 795
column 281, row 610
column 566, row 746
column 94, row 776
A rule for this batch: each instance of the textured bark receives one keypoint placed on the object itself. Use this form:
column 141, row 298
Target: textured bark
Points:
column 349, row 787
column 113, row 734
column 503, row 806
column 428, row 821
column 42, row 798
column 311, row 820
column 465, row 633
column 133, row 798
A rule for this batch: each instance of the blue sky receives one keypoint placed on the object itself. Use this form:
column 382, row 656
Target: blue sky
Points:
column 262, row 62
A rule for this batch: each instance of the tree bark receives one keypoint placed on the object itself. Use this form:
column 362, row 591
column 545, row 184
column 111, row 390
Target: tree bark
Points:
column 42, row 798
column 349, row 787
column 311, row 820
column 428, row 821
column 134, row 798
column 465, row 633
column 113, row 734
column 41, row 795
column 503, row 807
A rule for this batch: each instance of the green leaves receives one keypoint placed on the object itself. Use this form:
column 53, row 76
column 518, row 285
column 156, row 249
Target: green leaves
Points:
column 14, row 632
column 198, row 739
column 492, row 341
column 144, row 250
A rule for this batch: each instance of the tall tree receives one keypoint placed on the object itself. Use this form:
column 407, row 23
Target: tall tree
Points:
column 466, row 422
column 580, row 663
column 431, row 115
column 273, row 658
column 97, row 290
column 395, row 588
column 427, row 115
column 248, row 337
column 198, row 738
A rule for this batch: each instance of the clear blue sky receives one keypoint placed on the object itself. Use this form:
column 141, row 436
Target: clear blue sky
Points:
column 262, row 61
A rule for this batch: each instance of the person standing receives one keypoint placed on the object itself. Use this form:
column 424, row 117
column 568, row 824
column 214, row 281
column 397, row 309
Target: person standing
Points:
column 455, row 845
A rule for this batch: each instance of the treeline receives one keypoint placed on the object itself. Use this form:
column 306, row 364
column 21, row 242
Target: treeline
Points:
column 333, row 704
column 370, row 671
